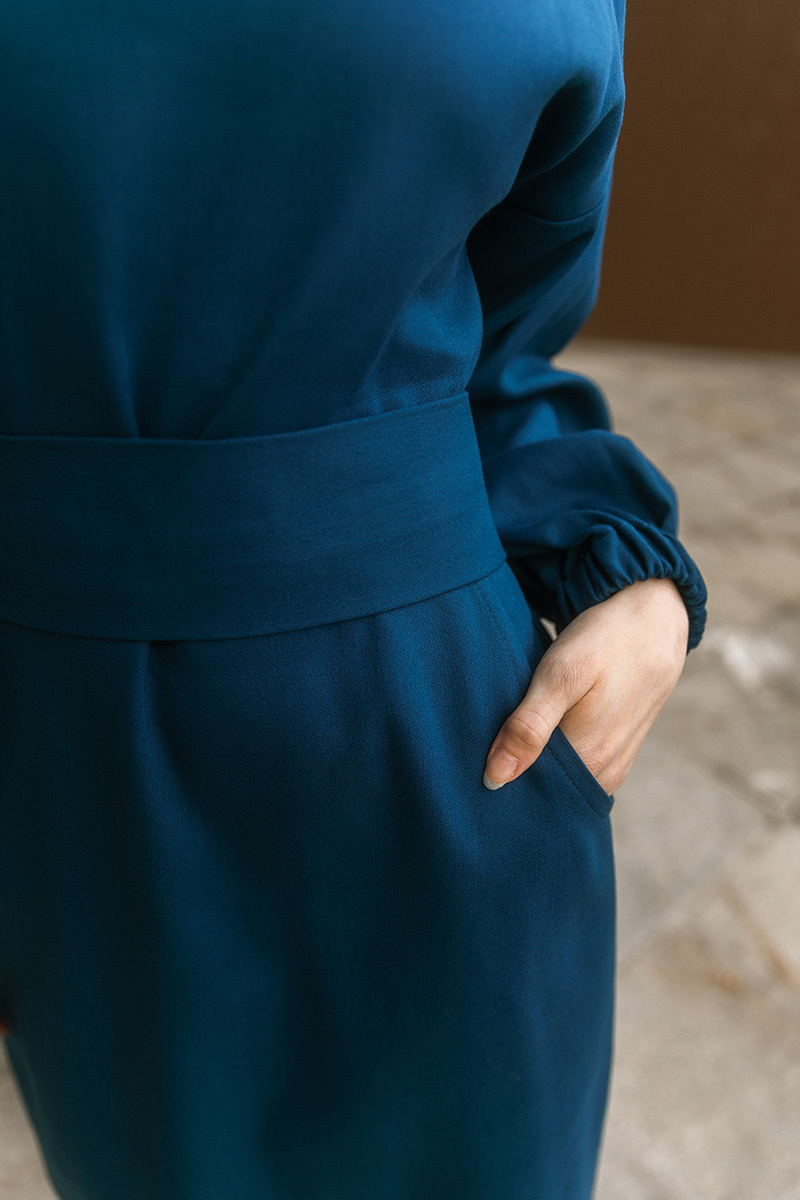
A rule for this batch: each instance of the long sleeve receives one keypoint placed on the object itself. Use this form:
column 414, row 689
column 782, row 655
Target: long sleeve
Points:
column 581, row 511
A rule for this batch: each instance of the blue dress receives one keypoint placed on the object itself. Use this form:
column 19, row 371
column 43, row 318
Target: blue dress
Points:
column 287, row 481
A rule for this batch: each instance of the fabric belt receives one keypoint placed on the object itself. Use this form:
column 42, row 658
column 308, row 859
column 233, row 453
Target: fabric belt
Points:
column 160, row 538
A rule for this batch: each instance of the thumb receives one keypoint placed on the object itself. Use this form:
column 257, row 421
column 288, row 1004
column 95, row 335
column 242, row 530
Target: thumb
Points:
column 525, row 733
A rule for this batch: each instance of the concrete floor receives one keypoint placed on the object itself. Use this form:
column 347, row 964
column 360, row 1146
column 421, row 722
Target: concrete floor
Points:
column 705, row 1097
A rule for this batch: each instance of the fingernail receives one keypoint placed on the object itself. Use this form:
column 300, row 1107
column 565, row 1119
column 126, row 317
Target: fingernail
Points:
column 501, row 766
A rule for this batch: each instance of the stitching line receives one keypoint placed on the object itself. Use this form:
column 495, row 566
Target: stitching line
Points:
column 500, row 630
column 587, row 799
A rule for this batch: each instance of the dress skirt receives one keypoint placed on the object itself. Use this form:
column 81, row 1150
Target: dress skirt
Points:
column 265, row 934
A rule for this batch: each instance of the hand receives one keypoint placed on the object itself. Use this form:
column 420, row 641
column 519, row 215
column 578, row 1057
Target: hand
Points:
column 608, row 674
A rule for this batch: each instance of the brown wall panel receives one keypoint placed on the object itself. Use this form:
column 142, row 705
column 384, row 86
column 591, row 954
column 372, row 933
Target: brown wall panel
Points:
column 703, row 239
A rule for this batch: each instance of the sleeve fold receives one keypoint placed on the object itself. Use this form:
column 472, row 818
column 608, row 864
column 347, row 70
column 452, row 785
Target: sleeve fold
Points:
column 581, row 511
column 582, row 516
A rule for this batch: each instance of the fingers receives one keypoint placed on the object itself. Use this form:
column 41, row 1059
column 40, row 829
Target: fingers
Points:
column 559, row 681
column 614, row 664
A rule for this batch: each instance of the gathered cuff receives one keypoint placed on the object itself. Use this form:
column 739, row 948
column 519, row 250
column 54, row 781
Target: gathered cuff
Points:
column 615, row 555
column 584, row 516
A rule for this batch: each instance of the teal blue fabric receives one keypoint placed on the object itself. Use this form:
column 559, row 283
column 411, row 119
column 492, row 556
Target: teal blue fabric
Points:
column 266, row 934
column 230, row 220
column 186, row 538
column 289, row 481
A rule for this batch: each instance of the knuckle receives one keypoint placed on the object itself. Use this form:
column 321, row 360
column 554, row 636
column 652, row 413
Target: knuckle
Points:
column 597, row 757
column 528, row 729
column 608, row 768
column 571, row 674
column 597, row 762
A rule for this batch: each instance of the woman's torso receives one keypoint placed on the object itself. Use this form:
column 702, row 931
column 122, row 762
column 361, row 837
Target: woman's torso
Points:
column 230, row 219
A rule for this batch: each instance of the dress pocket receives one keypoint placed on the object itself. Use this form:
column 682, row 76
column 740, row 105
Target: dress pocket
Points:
column 526, row 640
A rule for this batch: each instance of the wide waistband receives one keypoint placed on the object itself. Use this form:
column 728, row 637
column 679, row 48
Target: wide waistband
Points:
column 160, row 538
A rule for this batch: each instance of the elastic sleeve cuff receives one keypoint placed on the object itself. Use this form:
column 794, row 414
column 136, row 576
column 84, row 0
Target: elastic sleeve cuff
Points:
column 615, row 555
column 582, row 517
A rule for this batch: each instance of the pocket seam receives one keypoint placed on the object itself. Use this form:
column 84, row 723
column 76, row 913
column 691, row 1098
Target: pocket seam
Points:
column 558, row 755
column 501, row 631
column 603, row 812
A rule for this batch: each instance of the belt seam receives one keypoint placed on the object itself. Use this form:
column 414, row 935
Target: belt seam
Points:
column 270, row 633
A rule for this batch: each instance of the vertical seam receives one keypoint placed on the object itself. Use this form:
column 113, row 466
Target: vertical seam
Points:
column 498, row 627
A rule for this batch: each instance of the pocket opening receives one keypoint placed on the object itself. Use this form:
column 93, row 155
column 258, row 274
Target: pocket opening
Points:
column 567, row 757
column 559, row 746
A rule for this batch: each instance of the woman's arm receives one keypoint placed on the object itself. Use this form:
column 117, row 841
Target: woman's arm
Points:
column 589, row 523
column 581, row 511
